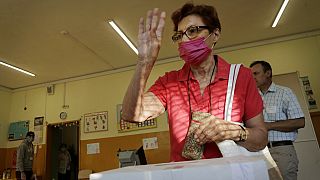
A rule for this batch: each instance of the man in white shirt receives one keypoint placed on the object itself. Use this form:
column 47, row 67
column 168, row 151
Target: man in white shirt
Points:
column 283, row 117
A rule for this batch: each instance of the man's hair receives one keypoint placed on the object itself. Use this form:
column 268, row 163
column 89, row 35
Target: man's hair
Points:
column 265, row 65
column 207, row 13
column 30, row 134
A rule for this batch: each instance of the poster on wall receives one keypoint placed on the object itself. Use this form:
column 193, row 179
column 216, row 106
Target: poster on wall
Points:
column 124, row 126
column 150, row 143
column 312, row 104
column 38, row 130
column 96, row 121
column 93, row 148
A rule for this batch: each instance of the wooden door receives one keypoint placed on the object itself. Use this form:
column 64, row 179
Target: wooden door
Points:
column 48, row 159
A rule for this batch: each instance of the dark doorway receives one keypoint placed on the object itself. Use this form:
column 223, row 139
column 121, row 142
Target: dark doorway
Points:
column 57, row 134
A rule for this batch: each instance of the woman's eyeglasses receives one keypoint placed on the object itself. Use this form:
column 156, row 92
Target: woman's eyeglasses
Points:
column 191, row 32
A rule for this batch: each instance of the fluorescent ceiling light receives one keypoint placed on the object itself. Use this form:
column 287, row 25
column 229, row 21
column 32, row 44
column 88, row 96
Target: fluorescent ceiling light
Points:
column 284, row 4
column 123, row 36
column 16, row 68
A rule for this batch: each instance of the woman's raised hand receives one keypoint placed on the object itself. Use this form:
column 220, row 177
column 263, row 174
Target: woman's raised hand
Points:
column 150, row 36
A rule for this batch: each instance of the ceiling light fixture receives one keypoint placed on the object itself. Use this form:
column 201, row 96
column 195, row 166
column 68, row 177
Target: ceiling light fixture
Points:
column 16, row 68
column 284, row 4
column 123, row 36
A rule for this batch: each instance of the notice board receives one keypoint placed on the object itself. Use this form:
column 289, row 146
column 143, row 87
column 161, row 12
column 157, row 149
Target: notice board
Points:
column 18, row 130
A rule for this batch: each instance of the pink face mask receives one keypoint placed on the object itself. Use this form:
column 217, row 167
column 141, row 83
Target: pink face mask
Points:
column 195, row 51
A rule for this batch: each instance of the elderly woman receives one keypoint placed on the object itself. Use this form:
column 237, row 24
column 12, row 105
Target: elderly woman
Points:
column 199, row 86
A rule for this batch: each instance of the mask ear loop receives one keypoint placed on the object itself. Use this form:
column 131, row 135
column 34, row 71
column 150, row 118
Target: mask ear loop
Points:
column 208, row 37
column 213, row 45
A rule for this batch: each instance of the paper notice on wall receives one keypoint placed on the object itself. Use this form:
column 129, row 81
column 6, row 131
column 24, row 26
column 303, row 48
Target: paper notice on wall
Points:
column 150, row 143
column 38, row 130
column 93, row 148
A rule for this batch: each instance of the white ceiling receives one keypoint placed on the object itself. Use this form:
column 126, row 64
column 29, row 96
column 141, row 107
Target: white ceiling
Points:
column 62, row 39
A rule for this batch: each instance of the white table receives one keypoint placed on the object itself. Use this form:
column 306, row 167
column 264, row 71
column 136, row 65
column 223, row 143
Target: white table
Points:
column 231, row 168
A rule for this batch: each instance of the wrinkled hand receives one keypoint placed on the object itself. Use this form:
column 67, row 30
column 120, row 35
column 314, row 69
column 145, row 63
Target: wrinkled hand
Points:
column 217, row 130
column 150, row 35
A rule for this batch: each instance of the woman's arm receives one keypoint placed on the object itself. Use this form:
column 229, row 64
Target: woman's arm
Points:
column 138, row 106
column 257, row 134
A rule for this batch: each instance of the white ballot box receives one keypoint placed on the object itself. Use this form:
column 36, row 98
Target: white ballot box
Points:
column 230, row 168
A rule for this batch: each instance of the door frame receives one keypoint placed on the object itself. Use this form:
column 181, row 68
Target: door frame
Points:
column 49, row 138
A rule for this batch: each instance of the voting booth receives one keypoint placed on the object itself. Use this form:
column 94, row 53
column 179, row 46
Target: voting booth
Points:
column 233, row 168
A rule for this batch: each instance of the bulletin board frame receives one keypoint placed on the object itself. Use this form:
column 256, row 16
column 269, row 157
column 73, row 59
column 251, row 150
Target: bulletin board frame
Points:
column 18, row 130
column 95, row 121
column 124, row 126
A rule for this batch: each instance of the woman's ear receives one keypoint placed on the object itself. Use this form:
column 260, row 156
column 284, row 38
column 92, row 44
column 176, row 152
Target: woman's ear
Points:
column 216, row 33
